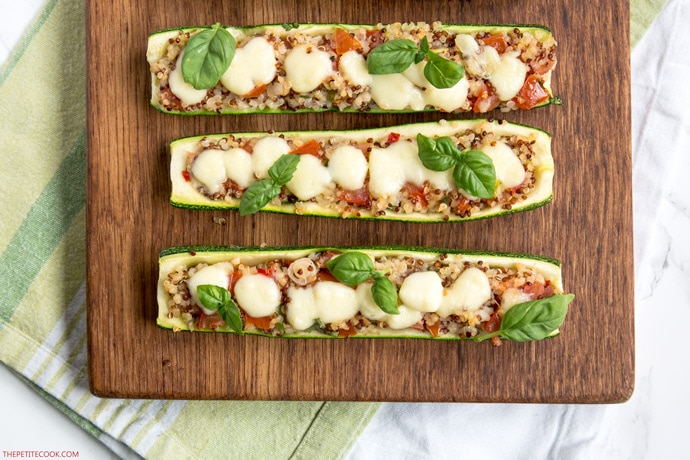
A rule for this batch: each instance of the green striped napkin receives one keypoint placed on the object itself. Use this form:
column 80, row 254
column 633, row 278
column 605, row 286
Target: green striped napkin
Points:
column 42, row 274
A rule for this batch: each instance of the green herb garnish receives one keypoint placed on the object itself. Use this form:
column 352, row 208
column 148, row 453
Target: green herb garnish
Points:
column 473, row 170
column 217, row 298
column 260, row 193
column 290, row 25
column 353, row 268
column 207, row 56
column 396, row 55
column 533, row 320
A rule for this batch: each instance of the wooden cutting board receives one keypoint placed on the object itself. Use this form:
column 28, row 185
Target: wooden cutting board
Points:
column 588, row 226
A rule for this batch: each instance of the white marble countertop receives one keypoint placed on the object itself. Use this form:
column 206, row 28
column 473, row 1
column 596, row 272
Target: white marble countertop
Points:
column 652, row 424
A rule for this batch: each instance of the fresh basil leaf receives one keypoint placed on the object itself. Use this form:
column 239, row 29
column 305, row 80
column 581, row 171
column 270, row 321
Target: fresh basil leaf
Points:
column 351, row 268
column 441, row 72
column 385, row 295
column 218, row 298
column 423, row 50
column 475, row 173
column 207, row 56
column 282, row 170
column 437, row 154
column 258, row 195
column 391, row 57
column 536, row 319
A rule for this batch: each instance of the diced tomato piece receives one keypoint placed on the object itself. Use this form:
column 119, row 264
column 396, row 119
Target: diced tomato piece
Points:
column 212, row 322
column 345, row 42
column 416, row 194
column 186, row 176
column 268, row 271
column 310, row 148
column 539, row 290
column 233, row 278
column 433, row 328
column 359, row 197
column 531, row 94
column 350, row 331
column 256, row 92
column 487, row 100
column 464, row 204
column 393, row 137
column 247, row 147
column 263, row 322
column 493, row 323
column 496, row 41
column 325, row 275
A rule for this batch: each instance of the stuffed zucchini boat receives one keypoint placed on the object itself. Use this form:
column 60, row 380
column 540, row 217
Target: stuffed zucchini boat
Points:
column 400, row 67
column 321, row 292
column 421, row 172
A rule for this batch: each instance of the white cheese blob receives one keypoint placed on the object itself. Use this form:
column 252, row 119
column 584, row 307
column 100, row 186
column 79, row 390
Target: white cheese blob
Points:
column 310, row 178
column 238, row 166
column 509, row 169
column 395, row 92
column 348, row 167
column 306, row 68
column 367, row 305
column 258, row 295
column 209, row 169
column 448, row 99
column 216, row 274
column 183, row 90
column 405, row 318
column 265, row 152
column 386, row 174
column 508, row 76
column 468, row 293
column 422, row 291
column 353, row 67
column 301, row 308
column 511, row 297
column 329, row 301
column 467, row 45
column 253, row 65
column 335, row 302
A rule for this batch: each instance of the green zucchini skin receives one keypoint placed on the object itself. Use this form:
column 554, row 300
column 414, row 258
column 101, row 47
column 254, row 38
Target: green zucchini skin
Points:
column 157, row 45
column 185, row 194
column 187, row 256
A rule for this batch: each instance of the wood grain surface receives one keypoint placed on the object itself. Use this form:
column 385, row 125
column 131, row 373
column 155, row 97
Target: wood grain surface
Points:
column 588, row 226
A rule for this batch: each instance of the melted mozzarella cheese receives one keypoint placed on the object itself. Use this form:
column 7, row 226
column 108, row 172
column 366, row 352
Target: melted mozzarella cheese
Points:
column 216, row 274
column 310, row 178
column 395, row 92
column 238, row 167
column 183, row 90
column 448, row 99
column 209, row 169
column 511, row 297
column 265, row 152
column 306, row 67
column 367, row 305
column 335, row 302
column 422, row 291
column 405, row 318
column 468, row 293
column 348, row 167
column 509, row 169
column 301, row 308
column 254, row 64
column 386, row 174
column 467, row 45
column 354, row 68
column 508, row 76
column 258, row 295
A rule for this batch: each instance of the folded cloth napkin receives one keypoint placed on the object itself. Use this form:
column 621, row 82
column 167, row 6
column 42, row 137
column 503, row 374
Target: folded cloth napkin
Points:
column 42, row 281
